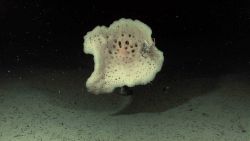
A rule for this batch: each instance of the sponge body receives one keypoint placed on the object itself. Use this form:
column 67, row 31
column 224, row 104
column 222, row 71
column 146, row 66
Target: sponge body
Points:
column 124, row 54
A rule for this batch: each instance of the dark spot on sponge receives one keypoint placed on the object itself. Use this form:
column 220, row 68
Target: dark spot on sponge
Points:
column 133, row 50
column 110, row 52
column 127, row 42
column 120, row 44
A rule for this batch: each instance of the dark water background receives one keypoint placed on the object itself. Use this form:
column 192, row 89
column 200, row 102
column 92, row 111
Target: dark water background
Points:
column 192, row 35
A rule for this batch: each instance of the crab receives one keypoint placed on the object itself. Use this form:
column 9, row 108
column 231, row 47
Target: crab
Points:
column 146, row 47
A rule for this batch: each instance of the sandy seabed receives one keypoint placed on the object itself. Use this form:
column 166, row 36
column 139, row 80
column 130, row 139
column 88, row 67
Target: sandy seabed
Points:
column 53, row 105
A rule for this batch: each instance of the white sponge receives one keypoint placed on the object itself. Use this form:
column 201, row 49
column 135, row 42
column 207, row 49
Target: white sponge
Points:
column 124, row 54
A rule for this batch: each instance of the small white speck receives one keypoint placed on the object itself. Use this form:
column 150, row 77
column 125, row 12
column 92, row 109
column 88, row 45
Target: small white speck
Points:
column 18, row 58
column 165, row 89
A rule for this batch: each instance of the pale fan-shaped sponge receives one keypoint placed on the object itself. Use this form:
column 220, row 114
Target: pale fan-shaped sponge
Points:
column 124, row 54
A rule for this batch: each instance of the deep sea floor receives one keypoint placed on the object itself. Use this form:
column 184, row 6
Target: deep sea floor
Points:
column 53, row 105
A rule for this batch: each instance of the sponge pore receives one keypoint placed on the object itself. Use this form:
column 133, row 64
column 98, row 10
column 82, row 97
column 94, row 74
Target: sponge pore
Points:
column 124, row 54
